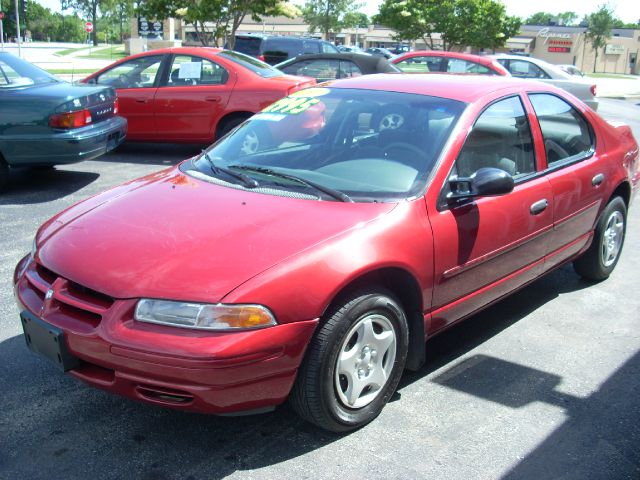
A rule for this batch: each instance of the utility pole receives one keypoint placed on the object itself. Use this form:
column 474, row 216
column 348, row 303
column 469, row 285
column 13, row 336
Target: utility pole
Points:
column 1, row 31
column 18, row 28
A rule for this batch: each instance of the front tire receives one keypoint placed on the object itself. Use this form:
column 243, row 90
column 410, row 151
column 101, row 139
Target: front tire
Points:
column 601, row 258
column 354, row 362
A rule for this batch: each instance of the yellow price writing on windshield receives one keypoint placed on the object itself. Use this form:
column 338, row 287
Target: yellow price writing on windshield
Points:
column 292, row 106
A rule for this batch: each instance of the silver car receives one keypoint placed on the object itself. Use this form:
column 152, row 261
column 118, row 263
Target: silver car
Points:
column 527, row 67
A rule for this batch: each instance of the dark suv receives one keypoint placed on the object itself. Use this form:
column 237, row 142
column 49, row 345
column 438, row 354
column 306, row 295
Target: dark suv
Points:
column 275, row 49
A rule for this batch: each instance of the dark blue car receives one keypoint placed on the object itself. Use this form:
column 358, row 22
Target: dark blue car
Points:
column 45, row 121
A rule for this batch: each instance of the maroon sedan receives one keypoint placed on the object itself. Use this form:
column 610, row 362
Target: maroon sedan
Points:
column 377, row 212
column 436, row 61
column 192, row 95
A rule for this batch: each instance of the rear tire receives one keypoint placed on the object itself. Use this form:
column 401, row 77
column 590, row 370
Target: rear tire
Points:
column 353, row 363
column 601, row 258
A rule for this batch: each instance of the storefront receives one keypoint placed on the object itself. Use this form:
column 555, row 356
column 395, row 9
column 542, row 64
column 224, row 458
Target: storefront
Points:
column 569, row 45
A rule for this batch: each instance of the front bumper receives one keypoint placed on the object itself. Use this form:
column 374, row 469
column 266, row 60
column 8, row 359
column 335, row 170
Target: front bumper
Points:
column 208, row 372
column 62, row 147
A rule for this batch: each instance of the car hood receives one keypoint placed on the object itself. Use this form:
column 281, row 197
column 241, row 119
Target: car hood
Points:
column 168, row 235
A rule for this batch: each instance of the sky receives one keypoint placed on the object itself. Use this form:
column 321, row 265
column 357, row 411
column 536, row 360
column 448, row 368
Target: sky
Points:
column 626, row 10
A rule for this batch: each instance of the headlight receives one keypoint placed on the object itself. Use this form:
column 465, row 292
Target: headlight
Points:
column 203, row 316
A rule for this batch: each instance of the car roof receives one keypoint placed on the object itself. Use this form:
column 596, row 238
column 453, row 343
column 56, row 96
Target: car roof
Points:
column 359, row 57
column 464, row 88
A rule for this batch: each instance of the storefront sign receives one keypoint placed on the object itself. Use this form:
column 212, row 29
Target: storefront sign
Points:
column 612, row 49
column 149, row 29
column 559, row 49
column 547, row 34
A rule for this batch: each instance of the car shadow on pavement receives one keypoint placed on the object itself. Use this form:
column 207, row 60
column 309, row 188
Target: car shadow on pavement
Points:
column 151, row 153
column 467, row 335
column 29, row 186
column 600, row 437
column 58, row 427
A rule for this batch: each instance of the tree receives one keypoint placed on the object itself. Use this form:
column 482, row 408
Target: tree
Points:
column 88, row 9
column 213, row 20
column 328, row 15
column 545, row 18
column 460, row 23
column 355, row 19
column 599, row 29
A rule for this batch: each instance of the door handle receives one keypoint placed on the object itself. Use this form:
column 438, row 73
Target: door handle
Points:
column 597, row 180
column 212, row 99
column 142, row 100
column 538, row 207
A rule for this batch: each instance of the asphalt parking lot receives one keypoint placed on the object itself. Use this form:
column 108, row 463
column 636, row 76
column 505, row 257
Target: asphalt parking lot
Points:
column 543, row 385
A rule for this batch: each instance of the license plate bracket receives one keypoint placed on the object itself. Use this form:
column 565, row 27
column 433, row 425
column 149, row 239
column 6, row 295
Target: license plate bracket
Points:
column 48, row 341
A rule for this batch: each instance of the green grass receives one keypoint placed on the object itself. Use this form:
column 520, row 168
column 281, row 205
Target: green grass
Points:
column 610, row 75
column 69, row 51
column 113, row 52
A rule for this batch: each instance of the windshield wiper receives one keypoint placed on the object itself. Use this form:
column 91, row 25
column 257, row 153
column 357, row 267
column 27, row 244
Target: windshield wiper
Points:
column 246, row 180
column 337, row 194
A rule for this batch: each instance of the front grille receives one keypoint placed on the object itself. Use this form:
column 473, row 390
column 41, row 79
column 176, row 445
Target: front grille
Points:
column 47, row 293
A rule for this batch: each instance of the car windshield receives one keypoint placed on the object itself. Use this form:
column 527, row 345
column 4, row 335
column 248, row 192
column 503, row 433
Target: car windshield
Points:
column 256, row 66
column 15, row 72
column 369, row 145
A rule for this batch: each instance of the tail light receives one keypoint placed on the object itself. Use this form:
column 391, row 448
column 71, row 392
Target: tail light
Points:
column 593, row 90
column 67, row 120
column 116, row 106
column 261, row 57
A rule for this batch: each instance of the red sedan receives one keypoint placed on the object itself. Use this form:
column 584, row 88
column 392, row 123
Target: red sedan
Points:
column 377, row 212
column 192, row 95
column 436, row 61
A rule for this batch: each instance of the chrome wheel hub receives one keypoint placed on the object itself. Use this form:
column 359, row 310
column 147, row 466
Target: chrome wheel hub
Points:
column 365, row 361
column 612, row 239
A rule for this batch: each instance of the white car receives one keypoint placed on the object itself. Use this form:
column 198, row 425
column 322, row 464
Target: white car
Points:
column 527, row 67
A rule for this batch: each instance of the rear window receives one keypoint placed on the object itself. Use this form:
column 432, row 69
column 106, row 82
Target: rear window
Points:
column 283, row 46
column 256, row 66
column 248, row 45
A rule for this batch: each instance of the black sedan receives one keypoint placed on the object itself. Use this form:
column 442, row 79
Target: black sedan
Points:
column 45, row 121
column 331, row 66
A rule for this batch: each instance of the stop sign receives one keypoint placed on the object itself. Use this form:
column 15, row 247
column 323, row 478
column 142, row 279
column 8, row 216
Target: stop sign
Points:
column 88, row 27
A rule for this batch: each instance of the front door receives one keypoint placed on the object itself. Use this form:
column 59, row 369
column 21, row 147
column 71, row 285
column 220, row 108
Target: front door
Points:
column 136, row 83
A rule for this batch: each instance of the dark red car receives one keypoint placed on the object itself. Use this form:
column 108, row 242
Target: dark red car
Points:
column 436, row 61
column 377, row 212
column 192, row 95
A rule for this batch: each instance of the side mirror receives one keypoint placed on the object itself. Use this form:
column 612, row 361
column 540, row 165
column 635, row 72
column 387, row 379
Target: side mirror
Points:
column 483, row 183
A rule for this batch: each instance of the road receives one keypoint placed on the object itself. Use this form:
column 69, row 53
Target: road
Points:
column 545, row 384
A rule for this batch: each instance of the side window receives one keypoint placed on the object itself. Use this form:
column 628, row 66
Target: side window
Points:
column 565, row 132
column 321, row 70
column 328, row 48
column 500, row 138
column 189, row 70
column 348, row 69
column 463, row 66
column 309, row 47
column 136, row 73
column 524, row 69
column 8, row 76
column 421, row 65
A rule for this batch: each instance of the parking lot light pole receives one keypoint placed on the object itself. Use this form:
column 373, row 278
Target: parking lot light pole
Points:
column 18, row 28
column 1, row 31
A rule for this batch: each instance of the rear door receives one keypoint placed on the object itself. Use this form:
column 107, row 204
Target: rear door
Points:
column 192, row 98
column 485, row 248
column 136, row 82
column 576, row 172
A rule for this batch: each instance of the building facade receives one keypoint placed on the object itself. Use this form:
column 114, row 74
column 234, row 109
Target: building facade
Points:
column 554, row 44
